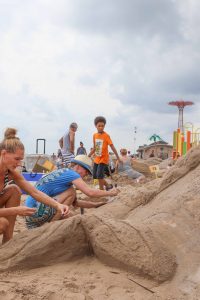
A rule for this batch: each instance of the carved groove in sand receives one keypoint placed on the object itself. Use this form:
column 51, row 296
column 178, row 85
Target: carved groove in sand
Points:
column 130, row 233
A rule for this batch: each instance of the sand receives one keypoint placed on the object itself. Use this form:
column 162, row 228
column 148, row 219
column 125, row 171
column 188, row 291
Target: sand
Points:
column 145, row 244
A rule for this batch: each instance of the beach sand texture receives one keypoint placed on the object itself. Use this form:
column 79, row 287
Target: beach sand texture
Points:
column 143, row 245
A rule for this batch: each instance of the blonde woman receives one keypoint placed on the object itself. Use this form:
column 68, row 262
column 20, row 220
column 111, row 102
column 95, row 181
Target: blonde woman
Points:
column 125, row 167
column 11, row 184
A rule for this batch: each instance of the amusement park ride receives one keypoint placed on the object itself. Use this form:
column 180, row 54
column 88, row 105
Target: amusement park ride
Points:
column 185, row 136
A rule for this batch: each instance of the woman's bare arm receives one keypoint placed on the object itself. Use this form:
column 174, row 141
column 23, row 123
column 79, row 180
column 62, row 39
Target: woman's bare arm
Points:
column 38, row 195
column 18, row 210
column 87, row 190
column 71, row 140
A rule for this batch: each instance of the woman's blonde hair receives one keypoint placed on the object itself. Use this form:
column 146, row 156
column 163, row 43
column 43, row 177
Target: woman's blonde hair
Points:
column 11, row 142
column 123, row 151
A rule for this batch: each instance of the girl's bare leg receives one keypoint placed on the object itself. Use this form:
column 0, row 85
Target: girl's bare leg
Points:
column 102, row 183
column 3, row 225
column 66, row 198
column 10, row 198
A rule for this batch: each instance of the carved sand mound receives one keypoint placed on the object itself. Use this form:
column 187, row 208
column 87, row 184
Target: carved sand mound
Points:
column 152, row 230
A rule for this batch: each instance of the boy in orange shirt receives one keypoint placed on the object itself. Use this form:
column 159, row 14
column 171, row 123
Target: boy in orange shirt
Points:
column 101, row 141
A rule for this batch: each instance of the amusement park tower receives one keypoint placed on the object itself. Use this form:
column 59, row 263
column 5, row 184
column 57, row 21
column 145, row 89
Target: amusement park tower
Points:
column 180, row 104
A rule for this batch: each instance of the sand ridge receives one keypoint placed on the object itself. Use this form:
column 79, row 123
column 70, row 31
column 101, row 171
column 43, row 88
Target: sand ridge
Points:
column 149, row 232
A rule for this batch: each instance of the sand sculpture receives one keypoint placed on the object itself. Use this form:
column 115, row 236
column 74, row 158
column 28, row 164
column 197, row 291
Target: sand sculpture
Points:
column 150, row 230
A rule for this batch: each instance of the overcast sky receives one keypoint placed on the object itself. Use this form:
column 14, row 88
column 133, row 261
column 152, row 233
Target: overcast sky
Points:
column 71, row 60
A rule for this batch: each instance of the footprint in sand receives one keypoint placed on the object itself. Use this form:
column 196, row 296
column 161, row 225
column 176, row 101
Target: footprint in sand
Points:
column 117, row 293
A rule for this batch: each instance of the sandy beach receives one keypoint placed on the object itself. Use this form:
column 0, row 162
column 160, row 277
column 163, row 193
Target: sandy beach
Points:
column 143, row 245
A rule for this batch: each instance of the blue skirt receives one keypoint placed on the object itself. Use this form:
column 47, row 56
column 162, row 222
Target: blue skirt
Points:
column 44, row 214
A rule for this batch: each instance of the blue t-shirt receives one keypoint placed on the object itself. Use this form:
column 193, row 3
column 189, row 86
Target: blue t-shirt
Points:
column 81, row 150
column 53, row 184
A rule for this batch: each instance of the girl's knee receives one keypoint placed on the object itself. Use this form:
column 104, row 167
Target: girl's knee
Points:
column 71, row 196
column 67, row 197
column 13, row 189
column 71, row 192
column 3, row 224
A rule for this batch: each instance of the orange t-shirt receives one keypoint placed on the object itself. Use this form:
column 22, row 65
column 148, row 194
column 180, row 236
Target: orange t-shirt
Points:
column 101, row 143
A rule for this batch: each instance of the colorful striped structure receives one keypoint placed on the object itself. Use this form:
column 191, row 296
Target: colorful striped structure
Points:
column 182, row 142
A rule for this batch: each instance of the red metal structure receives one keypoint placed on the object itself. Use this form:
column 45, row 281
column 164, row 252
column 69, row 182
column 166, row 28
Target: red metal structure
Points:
column 180, row 104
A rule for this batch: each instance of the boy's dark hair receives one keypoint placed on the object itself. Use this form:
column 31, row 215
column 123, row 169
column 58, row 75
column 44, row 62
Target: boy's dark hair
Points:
column 99, row 119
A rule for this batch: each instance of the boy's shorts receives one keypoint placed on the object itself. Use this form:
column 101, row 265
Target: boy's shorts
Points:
column 99, row 171
column 43, row 215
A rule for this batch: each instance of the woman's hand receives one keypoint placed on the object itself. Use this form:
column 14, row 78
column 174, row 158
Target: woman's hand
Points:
column 113, row 192
column 63, row 210
column 24, row 211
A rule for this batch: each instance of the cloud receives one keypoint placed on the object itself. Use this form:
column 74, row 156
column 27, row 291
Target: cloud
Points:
column 138, row 17
column 78, row 59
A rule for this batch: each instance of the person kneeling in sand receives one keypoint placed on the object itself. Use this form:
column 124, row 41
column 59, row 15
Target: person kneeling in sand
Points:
column 11, row 184
column 124, row 167
column 59, row 185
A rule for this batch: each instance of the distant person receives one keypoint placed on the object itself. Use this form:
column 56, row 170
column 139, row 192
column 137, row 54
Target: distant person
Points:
column 11, row 184
column 152, row 154
column 67, row 144
column 125, row 167
column 110, row 168
column 59, row 160
column 24, row 168
column 53, row 157
column 59, row 153
column 81, row 150
column 161, row 155
column 93, row 155
column 60, row 184
column 101, row 141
